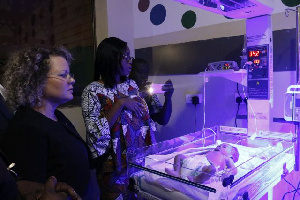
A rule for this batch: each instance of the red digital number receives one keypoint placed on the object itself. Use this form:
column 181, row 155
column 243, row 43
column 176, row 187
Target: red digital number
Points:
column 256, row 61
column 253, row 54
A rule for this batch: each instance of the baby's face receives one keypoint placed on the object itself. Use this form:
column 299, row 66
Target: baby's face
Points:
column 225, row 149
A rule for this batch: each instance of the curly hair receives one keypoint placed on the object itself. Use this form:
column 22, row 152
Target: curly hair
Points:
column 26, row 74
column 108, row 60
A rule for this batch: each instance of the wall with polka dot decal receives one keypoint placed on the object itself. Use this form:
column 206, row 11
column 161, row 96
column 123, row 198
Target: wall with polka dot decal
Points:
column 158, row 14
column 188, row 19
column 143, row 5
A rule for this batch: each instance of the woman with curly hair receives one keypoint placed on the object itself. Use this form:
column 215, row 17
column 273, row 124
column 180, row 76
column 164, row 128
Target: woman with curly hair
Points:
column 40, row 139
column 117, row 119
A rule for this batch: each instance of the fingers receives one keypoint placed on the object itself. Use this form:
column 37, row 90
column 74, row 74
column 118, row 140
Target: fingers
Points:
column 63, row 187
column 135, row 106
column 169, row 87
column 50, row 184
column 138, row 109
column 169, row 82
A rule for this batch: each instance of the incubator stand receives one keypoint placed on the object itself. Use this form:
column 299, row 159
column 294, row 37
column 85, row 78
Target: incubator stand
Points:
column 261, row 163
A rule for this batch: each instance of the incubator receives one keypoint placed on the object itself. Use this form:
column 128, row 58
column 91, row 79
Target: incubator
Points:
column 261, row 163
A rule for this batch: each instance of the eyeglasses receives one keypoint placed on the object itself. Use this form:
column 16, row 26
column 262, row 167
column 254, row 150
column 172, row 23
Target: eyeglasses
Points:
column 64, row 76
column 127, row 57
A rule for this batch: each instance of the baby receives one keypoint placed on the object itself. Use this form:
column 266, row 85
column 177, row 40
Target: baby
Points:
column 217, row 161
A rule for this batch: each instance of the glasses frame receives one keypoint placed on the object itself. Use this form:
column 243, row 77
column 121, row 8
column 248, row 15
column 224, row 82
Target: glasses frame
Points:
column 127, row 57
column 69, row 77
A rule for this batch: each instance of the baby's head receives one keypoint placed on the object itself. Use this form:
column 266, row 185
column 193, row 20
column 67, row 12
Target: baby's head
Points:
column 229, row 151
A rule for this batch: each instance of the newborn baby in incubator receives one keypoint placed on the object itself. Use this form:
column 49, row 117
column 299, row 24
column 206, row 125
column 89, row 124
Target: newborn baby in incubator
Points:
column 201, row 167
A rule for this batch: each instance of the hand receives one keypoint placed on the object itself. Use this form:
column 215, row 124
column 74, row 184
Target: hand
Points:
column 133, row 105
column 63, row 187
column 169, row 89
column 145, row 87
column 58, row 191
column 229, row 161
column 144, row 90
column 230, row 166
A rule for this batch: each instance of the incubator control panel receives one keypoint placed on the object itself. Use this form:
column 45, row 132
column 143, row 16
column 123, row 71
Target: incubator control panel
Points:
column 258, row 72
column 222, row 65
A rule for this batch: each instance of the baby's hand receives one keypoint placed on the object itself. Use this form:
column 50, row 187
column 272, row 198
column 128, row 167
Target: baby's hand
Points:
column 229, row 161
column 230, row 165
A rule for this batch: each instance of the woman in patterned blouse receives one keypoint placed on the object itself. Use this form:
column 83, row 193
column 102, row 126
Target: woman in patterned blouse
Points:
column 116, row 118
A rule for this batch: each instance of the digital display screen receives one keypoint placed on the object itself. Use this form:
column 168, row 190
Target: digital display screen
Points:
column 254, row 53
column 256, row 61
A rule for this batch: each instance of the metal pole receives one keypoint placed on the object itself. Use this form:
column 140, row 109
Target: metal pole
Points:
column 297, row 44
column 297, row 145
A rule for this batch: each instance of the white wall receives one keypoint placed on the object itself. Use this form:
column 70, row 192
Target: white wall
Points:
column 74, row 114
column 125, row 21
column 114, row 18
column 220, row 107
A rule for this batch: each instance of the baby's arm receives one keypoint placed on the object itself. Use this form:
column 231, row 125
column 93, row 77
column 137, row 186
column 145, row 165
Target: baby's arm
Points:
column 230, row 166
column 176, row 167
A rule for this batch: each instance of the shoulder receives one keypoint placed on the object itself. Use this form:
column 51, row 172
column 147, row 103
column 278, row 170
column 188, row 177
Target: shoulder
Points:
column 93, row 87
column 133, row 83
column 129, row 83
column 27, row 122
column 128, row 87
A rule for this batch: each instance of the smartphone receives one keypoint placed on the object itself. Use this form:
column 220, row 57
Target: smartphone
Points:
column 158, row 88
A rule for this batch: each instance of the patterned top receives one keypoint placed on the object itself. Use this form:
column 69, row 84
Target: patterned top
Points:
column 129, row 129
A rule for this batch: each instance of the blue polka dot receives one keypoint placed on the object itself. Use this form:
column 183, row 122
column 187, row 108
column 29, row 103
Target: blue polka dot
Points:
column 158, row 14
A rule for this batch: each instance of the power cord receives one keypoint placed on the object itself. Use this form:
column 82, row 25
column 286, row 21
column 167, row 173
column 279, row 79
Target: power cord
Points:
column 296, row 190
column 239, row 100
column 195, row 102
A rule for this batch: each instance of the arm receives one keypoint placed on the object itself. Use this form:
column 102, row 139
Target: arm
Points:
column 176, row 166
column 113, row 114
column 98, row 122
column 163, row 116
column 51, row 190
column 54, row 190
column 26, row 146
column 230, row 166
column 97, row 127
